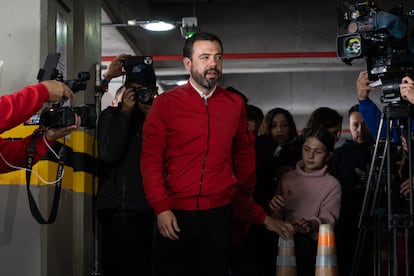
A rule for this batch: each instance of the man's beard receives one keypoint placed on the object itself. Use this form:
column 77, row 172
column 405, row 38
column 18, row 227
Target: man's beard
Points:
column 203, row 81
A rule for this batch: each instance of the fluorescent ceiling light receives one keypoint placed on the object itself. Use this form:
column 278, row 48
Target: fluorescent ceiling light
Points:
column 153, row 25
column 188, row 25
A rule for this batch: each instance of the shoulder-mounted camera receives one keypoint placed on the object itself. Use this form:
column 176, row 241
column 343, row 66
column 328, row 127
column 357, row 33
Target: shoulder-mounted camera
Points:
column 384, row 38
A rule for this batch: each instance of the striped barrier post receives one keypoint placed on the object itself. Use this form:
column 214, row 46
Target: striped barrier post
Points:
column 286, row 258
column 326, row 262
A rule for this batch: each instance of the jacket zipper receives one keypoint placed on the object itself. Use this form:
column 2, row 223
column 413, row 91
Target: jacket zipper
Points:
column 203, row 167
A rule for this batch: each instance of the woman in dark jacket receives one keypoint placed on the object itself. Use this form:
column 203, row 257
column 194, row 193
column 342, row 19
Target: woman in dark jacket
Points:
column 278, row 148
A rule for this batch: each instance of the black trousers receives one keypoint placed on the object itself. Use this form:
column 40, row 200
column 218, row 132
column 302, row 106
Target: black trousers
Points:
column 203, row 247
column 126, row 241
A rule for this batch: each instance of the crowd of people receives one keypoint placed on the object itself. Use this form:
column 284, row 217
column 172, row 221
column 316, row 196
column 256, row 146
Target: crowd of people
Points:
column 197, row 181
column 219, row 181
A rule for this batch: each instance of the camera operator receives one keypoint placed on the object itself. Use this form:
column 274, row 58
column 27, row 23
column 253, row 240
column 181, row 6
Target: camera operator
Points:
column 370, row 111
column 126, row 218
column 17, row 108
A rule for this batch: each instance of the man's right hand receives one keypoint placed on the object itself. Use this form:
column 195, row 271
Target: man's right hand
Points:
column 55, row 133
column 283, row 229
column 277, row 203
column 115, row 67
column 167, row 225
column 57, row 90
column 363, row 87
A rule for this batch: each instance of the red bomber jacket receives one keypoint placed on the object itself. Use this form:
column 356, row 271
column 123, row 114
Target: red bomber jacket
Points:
column 197, row 153
column 15, row 109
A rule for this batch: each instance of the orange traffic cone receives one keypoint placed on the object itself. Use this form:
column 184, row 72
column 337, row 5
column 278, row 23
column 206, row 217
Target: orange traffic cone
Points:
column 286, row 258
column 326, row 263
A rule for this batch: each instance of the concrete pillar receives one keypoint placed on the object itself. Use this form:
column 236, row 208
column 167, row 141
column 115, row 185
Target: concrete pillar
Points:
column 30, row 30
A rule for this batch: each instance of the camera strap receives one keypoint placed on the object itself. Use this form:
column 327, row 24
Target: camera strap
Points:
column 34, row 209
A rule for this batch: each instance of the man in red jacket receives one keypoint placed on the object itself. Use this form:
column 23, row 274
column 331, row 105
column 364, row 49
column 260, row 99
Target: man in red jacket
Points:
column 17, row 108
column 197, row 154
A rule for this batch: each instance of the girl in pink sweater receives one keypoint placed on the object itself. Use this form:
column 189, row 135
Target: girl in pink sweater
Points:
column 309, row 196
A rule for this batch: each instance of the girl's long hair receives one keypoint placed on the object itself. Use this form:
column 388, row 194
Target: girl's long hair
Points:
column 326, row 138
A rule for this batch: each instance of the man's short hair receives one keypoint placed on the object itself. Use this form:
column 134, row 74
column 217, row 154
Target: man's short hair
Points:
column 354, row 108
column 189, row 42
column 324, row 116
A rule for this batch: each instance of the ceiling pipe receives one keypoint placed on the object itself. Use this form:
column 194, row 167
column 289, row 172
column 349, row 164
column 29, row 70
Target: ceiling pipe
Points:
column 246, row 56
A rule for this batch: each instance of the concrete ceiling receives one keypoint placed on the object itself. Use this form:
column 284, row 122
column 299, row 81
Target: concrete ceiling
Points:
column 245, row 27
column 281, row 53
column 266, row 27
column 255, row 33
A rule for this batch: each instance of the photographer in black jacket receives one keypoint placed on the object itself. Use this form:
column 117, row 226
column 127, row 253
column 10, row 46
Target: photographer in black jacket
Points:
column 126, row 218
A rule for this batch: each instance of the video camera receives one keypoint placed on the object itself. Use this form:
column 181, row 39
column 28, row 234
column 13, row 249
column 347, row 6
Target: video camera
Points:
column 57, row 115
column 139, row 69
column 384, row 39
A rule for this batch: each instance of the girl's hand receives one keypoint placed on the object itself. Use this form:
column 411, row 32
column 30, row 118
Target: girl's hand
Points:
column 277, row 203
column 305, row 224
column 405, row 188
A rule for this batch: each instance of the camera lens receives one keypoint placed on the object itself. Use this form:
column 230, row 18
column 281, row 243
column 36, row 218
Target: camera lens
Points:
column 144, row 95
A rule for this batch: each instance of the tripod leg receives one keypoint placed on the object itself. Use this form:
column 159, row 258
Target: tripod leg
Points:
column 360, row 245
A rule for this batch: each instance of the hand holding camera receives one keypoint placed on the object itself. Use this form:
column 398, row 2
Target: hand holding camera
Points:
column 363, row 85
column 57, row 115
column 57, row 90
column 407, row 89
column 56, row 133
column 115, row 68
column 128, row 101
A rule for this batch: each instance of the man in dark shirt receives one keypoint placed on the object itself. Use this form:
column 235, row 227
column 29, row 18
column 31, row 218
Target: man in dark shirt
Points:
column 352, row 161
column 125, row 216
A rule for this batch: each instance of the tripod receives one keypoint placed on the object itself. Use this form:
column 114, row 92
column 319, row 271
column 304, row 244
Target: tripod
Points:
column 381, row 201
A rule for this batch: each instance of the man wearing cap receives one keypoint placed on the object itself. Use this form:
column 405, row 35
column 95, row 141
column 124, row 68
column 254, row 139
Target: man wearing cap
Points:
column 125, row 216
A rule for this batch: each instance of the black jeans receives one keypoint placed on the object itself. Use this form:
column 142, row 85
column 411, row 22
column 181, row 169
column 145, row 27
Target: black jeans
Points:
column 203, row 247
column 126, row 241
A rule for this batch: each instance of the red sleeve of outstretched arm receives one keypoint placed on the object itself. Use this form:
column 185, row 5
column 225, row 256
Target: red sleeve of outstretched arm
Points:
column 246, row 210
column 18, row 107
column 14, row 152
